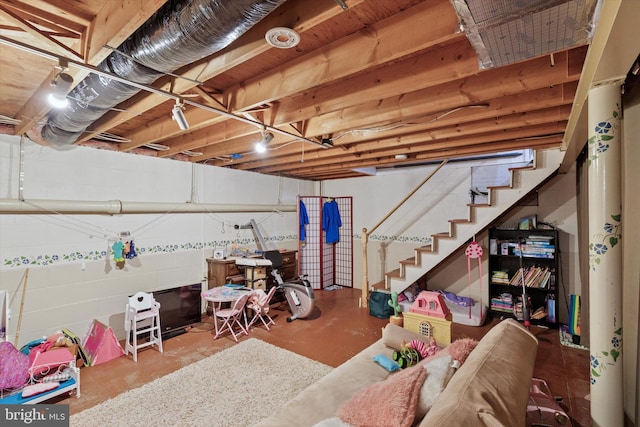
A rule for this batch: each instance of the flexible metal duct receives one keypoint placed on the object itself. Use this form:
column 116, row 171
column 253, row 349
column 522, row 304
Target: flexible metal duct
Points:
column 179, row 33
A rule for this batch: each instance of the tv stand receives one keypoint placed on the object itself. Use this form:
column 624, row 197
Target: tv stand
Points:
column 174, row 333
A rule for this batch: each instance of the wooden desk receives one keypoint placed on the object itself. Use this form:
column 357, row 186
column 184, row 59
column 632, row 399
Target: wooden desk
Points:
column 221, row 271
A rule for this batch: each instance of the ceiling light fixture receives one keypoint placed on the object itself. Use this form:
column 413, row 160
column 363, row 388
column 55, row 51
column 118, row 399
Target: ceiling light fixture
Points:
column 177, row 114
column 61, row 83
column 261, row 146
column 327, row 142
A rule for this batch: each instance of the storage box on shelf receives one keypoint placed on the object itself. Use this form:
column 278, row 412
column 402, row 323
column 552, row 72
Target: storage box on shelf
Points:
column 537, row 250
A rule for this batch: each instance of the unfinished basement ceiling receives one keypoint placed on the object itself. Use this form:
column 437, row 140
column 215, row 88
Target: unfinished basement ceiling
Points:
column 365, row 87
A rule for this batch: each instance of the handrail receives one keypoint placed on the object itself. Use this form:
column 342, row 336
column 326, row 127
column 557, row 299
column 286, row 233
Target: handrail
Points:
column 365, row 235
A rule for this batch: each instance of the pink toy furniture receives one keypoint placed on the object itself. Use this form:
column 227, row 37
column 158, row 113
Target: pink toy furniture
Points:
column 431, row 304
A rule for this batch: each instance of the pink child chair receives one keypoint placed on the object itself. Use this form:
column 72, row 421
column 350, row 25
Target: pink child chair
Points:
column 231, row 317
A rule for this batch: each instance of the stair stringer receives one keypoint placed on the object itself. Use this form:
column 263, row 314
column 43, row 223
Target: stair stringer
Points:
column 500, row 200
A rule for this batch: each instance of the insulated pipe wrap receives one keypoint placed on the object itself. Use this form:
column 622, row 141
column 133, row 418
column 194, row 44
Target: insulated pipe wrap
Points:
column 179, row 33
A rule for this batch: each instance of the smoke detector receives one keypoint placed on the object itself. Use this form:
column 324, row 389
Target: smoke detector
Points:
column 282, row 37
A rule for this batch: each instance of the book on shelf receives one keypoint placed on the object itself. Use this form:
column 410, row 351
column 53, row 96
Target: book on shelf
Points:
column 500, row 277
column 534, row 277
column 530, row 251
column 539, row 237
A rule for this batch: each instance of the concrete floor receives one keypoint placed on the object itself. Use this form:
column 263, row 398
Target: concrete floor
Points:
column 335, row 332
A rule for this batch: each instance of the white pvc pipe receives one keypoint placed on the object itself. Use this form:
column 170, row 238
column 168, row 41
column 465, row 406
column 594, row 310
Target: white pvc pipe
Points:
column 114, row 207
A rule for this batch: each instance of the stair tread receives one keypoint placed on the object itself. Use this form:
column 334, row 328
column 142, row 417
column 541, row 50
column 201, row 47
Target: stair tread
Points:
column 409, row 261
column 394, row 273
column 522, row 167
column 443, row 235
column 379, row 285
column 460, row 220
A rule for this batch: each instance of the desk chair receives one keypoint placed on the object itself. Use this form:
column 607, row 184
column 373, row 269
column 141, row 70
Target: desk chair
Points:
column 142, row 316
column 259, row 303
column 231, row 317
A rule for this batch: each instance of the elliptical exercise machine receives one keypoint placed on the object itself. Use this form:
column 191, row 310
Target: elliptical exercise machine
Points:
column 299, row 293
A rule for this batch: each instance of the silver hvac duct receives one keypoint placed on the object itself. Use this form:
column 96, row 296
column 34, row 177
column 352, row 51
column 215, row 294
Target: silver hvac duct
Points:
column 179, row 33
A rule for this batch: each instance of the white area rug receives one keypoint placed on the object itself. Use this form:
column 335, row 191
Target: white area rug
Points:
column 237, row 387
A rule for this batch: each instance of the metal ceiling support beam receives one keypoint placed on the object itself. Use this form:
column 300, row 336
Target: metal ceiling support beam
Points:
column 90, row 68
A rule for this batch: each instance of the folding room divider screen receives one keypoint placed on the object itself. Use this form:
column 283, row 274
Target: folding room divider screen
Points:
column 326, row 264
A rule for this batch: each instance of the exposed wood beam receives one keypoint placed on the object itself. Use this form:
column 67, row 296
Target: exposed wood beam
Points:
column 448, row 96
column 338, row 171
column 405, row 142
column 115, row 22
column 499, row 107
column 386, row 41
column 50, row 42
column 460, row 61
column 487, row 143
column 302, row 14
column 71, row 19
column 411, row 145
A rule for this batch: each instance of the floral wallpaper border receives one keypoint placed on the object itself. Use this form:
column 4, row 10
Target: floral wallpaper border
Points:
column 98, row 255
column 396, row 239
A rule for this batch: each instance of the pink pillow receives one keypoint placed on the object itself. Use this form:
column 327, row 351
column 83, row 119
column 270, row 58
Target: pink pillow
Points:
column 391, row 402
column 45, row 362
column 14, row 366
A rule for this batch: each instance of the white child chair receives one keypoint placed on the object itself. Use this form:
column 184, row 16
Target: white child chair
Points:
column 142, row 317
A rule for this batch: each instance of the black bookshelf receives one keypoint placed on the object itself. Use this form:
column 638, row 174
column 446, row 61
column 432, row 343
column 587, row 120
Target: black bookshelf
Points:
column 540, row 249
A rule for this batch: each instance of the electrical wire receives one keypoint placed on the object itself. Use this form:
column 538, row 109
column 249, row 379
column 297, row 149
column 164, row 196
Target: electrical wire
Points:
column 403, row 123
column 87, row 226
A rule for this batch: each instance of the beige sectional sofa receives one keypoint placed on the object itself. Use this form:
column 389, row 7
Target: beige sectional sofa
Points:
column 491, row 388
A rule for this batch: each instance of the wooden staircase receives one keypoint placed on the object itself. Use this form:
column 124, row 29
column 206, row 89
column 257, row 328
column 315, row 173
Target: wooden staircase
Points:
column 500, row 199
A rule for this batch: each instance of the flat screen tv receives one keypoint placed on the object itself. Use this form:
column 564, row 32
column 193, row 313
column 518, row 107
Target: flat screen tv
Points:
column 180, row 308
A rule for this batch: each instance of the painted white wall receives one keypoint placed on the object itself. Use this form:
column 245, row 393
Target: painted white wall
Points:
column 72, row 278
